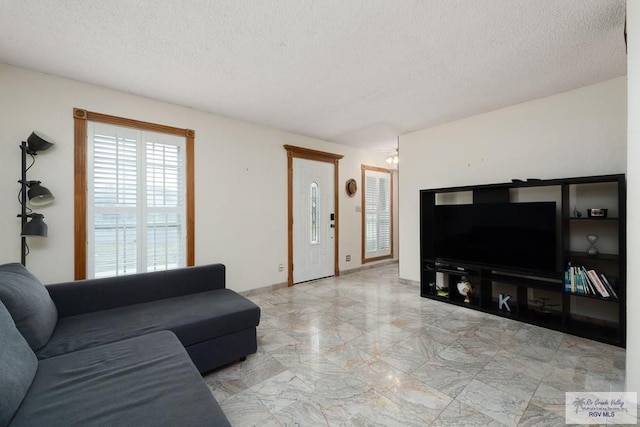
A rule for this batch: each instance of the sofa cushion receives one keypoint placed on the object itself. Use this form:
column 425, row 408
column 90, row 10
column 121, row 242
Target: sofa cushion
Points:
column 193, row 318
column 18, row 366
column 147, row 380
column 29, row 303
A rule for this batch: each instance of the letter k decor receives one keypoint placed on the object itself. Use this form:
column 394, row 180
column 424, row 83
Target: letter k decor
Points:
column 503, row 302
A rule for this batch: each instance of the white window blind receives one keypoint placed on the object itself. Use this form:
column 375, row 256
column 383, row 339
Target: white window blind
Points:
column 135, row 202
column 377, row 214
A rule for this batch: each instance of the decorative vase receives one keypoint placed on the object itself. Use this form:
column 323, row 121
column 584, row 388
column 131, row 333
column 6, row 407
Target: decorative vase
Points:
column 576, row 212
column 592, row 239
column 465, row 289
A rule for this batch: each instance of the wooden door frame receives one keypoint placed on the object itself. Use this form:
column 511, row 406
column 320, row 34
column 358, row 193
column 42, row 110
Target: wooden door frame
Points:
column 320, row 156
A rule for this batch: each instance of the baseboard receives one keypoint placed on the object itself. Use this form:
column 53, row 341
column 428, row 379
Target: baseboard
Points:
column 277, row 286
column 410, row 282
column 264, row 289
column 369, row 267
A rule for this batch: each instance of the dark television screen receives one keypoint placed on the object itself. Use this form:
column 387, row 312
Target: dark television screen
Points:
column 520, row 236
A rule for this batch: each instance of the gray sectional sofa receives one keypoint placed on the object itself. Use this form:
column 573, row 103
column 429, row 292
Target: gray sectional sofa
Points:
column 127, row 350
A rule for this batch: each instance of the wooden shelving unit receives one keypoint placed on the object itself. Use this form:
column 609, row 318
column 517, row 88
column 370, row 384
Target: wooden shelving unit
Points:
column 589, row 316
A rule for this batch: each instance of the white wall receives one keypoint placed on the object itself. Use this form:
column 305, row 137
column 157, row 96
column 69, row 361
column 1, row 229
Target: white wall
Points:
column 240, row 179
column 576, row 133
column 633, row 196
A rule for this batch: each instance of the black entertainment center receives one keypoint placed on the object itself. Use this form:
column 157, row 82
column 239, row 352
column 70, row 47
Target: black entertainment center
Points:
column 520, row 250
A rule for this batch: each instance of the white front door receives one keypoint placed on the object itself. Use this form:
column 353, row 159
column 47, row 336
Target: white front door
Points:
column 313, row 220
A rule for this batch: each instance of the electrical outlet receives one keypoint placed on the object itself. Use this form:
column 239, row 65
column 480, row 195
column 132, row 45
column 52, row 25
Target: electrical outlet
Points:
column 280, row 267
column 348, row 258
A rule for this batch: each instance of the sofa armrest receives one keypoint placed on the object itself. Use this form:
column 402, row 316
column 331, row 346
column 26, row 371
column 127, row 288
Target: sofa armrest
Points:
column 85, row 296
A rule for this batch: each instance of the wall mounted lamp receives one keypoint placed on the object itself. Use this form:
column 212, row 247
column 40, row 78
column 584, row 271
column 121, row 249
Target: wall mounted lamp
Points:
column 37, row 195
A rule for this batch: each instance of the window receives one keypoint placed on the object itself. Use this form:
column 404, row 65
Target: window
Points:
column 377, row 214
column 313, row 211
column 136, row 207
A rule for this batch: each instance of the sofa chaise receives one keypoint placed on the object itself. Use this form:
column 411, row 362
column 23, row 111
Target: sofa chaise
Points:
column 126, row 350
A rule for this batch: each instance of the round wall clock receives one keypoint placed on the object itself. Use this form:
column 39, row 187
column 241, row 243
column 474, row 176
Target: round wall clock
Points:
column 351, row 187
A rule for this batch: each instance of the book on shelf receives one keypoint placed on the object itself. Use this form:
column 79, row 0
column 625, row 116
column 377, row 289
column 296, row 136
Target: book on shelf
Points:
column 567, row 278
column 580, row 283
column 607, row 285
column 572, row 279
column 592, row 287
column 579, row 280
column 599, row 286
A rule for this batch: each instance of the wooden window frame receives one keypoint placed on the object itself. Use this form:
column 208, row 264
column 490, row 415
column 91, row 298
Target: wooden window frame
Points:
column 80, row 118
column 364, row 259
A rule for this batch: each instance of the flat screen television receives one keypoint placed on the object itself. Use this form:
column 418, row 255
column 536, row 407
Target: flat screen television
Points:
column 513, row 236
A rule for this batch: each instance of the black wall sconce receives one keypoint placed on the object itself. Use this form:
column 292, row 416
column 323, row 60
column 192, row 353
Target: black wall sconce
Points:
column 37, row 195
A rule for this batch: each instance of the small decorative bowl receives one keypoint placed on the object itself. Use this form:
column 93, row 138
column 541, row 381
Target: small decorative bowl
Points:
column 597, row 213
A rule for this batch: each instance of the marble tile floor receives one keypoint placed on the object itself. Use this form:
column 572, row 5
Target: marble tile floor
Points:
column 364, row 349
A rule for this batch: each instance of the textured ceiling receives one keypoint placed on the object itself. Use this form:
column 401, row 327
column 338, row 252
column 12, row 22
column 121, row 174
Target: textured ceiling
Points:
column 356, row 72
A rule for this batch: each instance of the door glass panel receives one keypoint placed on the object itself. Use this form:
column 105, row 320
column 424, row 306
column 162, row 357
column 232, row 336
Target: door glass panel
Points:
column 314, row 209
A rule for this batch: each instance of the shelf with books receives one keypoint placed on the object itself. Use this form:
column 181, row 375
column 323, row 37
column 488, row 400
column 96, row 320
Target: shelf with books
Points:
column 595, row 258
column 580, row 280
column 594, row 297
